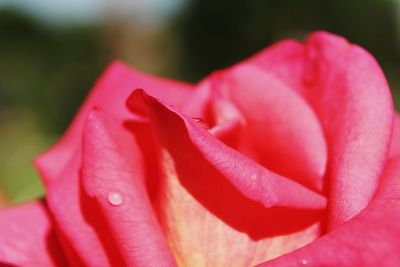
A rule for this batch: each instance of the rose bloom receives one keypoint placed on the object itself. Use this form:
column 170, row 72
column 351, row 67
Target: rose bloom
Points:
column 289, row 158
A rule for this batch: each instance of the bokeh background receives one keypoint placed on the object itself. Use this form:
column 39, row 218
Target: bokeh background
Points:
column 52, row 51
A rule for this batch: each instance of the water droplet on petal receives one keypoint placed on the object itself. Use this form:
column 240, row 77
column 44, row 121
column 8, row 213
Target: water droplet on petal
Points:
column 304, row 262
column 202, row 123
column 270, row 200
column 253, row 177
column 115, row 198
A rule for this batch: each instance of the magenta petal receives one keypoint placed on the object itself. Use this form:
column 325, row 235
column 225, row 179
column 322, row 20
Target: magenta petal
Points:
column 59, row 167
column 27, row 237
column 348, row 91
column 353, row 101
column 114, row 180
column 248, row 177
column 369, row 239
column 65, row 204
column 280, row 127
column 210, row 195
column 395, row 143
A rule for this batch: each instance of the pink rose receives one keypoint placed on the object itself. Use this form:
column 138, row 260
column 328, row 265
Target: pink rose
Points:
column 289, row 158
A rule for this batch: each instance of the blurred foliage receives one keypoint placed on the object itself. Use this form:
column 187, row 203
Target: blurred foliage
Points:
column 46, row 71
column 21, row 141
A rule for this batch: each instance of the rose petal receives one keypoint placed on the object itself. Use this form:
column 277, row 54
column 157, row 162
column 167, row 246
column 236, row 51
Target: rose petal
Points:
column 59, row 167
column 228, row 119
column 352, row 99
column 266, row 187
column 280, row 127
column 369, row 239
column 212, row 198
column 27, row 237
column 245, row 236
column 395, row 143
column 112, row 164
column 65, row 202
column 349, row 93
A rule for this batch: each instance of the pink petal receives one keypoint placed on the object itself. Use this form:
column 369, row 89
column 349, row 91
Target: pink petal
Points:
column 60, row 166
column 249, row 178
column 218, row 207
column 348, row 91
column 27, row 237
column 351, row 96
column 228, row 120
column 395, row 143
column 371, row 238
column 112, row 166
column 67, row 206
column 280, row 127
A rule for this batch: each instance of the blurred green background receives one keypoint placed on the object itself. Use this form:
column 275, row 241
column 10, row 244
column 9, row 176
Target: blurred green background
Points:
column 52, row 51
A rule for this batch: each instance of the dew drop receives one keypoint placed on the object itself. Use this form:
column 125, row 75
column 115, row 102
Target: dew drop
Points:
column 304, row 262
column 253, row 177
column 202, row 123
column 115, row 198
